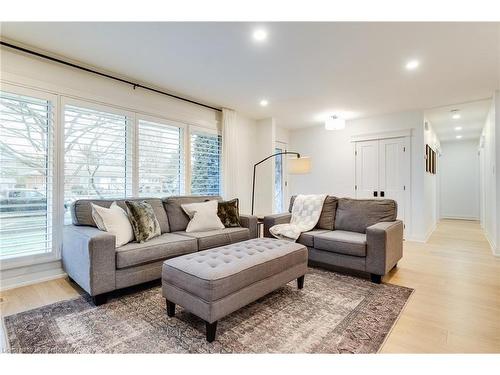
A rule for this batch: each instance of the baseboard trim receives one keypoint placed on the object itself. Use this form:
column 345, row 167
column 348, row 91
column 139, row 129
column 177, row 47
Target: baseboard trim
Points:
column 451, row 217
column 493, row 246
column 424, row 238
column 24, row 276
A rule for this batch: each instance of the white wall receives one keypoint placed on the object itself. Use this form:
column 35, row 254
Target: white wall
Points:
column 459, row 180
column 264, row 146
column 332, row 155
column 488, row 194
column 431, row 196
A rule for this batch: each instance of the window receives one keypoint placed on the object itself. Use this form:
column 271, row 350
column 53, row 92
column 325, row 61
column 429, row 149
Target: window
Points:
column 97, row 155
column 26, row 183
column 161, row 159
column 205, row 163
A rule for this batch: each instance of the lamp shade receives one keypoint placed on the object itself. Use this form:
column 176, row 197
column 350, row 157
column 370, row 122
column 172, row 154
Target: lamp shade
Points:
column 300, row 165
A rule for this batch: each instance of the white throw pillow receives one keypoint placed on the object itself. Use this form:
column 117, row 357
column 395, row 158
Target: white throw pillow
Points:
column 203, row 216
column 113, row 220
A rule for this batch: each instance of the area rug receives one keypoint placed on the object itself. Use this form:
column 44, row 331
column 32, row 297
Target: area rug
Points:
column 334, row 313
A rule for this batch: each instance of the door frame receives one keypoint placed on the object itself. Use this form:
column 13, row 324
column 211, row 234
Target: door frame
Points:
column 406, row 134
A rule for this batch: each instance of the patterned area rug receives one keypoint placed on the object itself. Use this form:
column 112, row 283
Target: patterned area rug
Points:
column 334, row 313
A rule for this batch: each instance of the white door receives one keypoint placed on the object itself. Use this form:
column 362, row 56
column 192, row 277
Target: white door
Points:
column 393, row 169
column 383, row 171
column 367, row 175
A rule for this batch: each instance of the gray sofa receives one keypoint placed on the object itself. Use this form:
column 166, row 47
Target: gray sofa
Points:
column 90, row 258
column 357, row 234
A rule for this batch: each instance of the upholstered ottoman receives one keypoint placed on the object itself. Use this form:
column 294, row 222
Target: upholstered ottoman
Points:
column 213, row 283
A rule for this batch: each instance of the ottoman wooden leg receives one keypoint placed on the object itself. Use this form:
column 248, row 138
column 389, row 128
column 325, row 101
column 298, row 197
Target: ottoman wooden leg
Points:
column 300, row 282
column 170, row 308
column 211, row 330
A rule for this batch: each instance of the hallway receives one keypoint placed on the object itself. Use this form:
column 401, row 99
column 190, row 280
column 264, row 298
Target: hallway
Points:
column 456, row 304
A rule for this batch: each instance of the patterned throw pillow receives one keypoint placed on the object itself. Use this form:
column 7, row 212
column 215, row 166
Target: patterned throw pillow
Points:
column 229, row 213
column 143, row 220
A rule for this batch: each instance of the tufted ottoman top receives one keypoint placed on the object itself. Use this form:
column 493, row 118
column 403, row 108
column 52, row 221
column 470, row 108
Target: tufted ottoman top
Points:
column 215, row 273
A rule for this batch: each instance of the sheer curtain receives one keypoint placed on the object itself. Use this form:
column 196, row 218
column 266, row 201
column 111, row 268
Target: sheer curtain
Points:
column 230, row 168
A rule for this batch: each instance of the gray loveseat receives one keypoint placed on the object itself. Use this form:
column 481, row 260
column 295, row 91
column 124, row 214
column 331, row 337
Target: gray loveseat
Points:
column 358, row 234
column 91, row 260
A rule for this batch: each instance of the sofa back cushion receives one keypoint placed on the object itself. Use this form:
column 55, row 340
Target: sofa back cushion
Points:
column 177, row 218
column 327, row 217
column 81, row 210
column 356, row 215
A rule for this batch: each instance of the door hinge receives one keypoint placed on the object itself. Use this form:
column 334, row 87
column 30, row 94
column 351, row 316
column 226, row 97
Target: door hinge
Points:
column 404, row 187
column 404, row 226
column 355, row 187
column 355, row 153
column 404, row 149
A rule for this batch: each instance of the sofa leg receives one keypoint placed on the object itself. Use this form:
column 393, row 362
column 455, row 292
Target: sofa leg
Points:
column 170, row 308
column 377, row 279
column 300, row 282
column 100, row 299
column 211, row 330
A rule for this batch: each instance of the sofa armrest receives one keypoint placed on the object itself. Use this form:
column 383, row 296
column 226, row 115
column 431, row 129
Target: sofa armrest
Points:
column 272, row 220
column 88, row 257
column 384, row 243
column 250, row 222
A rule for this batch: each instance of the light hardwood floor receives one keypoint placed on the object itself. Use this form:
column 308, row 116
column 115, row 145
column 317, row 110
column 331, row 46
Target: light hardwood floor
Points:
column 455, row 307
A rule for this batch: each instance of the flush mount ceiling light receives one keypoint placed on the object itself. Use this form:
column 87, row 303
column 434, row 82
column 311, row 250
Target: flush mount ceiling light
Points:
column 334, row 123
column 458, row 137
column 455, row 115
column 412, row 64
column 263, row 103
column 259, row 35
column 457, row 128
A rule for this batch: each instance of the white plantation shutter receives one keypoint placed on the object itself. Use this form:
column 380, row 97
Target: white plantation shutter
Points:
column 26, row 175
column 161, row 159
column 205, row 163
column 97, row 155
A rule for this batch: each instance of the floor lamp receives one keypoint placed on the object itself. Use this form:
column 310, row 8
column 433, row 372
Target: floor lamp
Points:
column 298, row 165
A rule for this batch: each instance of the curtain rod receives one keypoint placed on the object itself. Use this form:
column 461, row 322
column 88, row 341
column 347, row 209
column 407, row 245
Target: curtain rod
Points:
column 133, row 84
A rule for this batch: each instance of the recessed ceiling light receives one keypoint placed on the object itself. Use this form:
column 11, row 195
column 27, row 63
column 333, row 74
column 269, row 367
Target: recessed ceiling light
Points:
column 260, row 35
column 458, row 128
column 264, row 103
column 412, row 65
column 458, row 137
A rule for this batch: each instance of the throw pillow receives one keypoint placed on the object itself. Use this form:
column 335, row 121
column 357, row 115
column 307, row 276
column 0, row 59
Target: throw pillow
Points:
column 113, row 220
column 229, row 214
column 143, row 220
column 203, row 216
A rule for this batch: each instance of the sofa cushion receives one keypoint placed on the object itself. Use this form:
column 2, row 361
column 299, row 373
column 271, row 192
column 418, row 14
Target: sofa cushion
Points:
column 81, row 210
column 219, row 237
column 358, row 214
column 307, row 238
column 342, row 242
column 177, row 218
column 166, row 246
column 327, row 217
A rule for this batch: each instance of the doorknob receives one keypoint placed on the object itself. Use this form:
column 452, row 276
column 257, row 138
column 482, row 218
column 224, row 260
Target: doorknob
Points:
column 382, row 194
column 375, row 193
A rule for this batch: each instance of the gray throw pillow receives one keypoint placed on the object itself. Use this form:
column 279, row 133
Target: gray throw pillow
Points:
column 144, row 222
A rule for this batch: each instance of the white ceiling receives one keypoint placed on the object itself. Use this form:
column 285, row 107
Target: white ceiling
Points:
column 305, row 70
column 472, row 119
